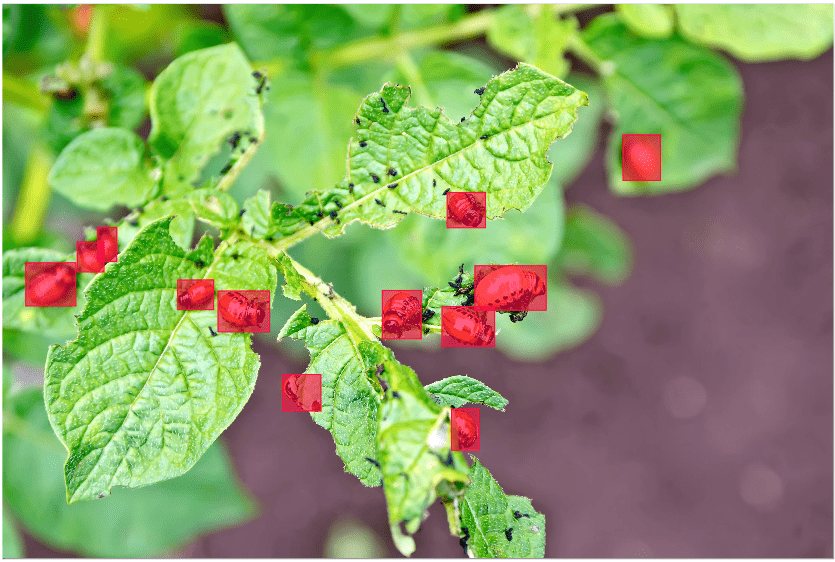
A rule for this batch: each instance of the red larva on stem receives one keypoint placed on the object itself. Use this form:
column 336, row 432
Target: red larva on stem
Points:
column 198, row 294
column 239, row 311
column 466, row 209
column 508, row 286
column 400, row 312
column 466, row 326
column 51, row 285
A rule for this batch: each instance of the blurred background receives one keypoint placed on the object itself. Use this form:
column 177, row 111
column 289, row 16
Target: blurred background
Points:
column 674, row 401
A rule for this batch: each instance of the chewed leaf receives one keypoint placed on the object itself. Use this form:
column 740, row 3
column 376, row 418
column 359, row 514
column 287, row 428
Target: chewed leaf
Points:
column 144, row 390
column 499, row 526
column 458, row 390
column 404, row 159
column 349, row 400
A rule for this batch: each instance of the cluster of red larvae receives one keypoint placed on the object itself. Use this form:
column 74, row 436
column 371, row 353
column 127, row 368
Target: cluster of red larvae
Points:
column 238, row 311
column 513, row 288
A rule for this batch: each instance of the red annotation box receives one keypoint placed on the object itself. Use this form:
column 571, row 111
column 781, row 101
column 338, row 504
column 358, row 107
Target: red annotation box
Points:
column 402, row 314
column 301, row 393
column 465, row 433
column 107, row 244
column 468, row 326
column 243, row 311
column 466, row 209
column 49, row 284
column 195, row 294
column 511, row 287
column 641, row 157
column 86, row 257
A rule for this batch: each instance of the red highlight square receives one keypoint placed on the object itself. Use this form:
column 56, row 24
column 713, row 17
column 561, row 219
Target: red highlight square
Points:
column 402, row 314
column 465, row 430
column 301, row 393
column 86, row 257
column 108, row 247
column 243, row 311
column 511, row 287
column 49, row 284
column 641, row 158
column 466, row 209
column 195, row 294
column 468, row 326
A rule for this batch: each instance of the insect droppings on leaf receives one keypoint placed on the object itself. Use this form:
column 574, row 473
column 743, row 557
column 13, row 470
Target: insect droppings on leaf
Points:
column 314, row 321
column 226, row 168
column 320, row 214
column 235, row 256
column 311, row 223
column 434, row 183
column 463, row 119
column 380, row 203
column 395, row 394
column 134, row 223
column 484, row 137
column 242, row 212
column 385, row 108
column 392, row 172
column 463, row 540
column 376, row 178
column 358, row 121
column 445, row 191
column 372, row 461
column 391, row 185
column 337, row 203
column 427, row 314
column 233, row 140
column 478, row 91
column 425, row 331
column 350, row 188
column 509, row 534
column 332, row 214
column 212, row 332
column 518, row 515
column 399, row 212
column 363, row 144
column 164, row 198
column 199, row 264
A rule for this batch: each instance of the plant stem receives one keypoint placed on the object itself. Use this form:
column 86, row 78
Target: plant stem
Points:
column 23, row 92
column 33, row 200
column 585, row 53
column 377, row 48
column 97, row 34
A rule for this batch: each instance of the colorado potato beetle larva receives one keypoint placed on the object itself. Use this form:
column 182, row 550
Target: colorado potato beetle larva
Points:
column 198, row 294
column 401, row 312
column 508, row 288
column 51, row 285
column 466, row 326
column 239, row 311
column 465, row 430
column 466, row 209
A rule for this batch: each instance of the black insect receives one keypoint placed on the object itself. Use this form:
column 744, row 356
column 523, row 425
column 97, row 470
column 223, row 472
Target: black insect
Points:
column 233, row 140
column 463, row 119
column 392, row 172
column 399, row 212
column 518, row 515
column 262, row 82
column 337, row 203
column 212, row 332
column 363, row 144
column 320, row 214
column 199, row 264
column 380, row 203
column 385, row 109
column 235, row 256
column 463, row 540
column 269, row 238
column 445, row 191
column 338, row 221
column 350, row 188
column 226, row 168
column 425, row 331
column 311, row 223
column 478, row 91
column 391, row 185
column 372, row 461
column 134, row 223
column 455, row 285
column 395, row 394
column 376, row 178
column 332, row 214
column 433, row 183
column 314, row 321
column 242, row 212
column 427, row 314
column 509, row 534
column 358, row 121
column 484, row 137
column 518, row 316
column 469, row 300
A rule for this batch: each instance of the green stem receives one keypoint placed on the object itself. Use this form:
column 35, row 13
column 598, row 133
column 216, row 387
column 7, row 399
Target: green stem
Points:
column 585, row 53
column 23, row 92
column 364, row 50
column 97, row 34
column 33, row 201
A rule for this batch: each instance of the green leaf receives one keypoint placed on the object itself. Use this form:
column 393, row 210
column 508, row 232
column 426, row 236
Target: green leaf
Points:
column 293, row 281
column 688, row 94
column 198, row 101
column 539, row 40
column 572, row 317
column 521, row 113
column 64, row 123
column 759, row 32
column 195, row 35
column 102, row 168
column 370, row 15
column 125, row 89
column 487, row 513
column 181, row 228
column 12, row 541
column 142, row 523
column 413, row 447
column 458, row 390
column 215, row 207
column 653, row 21
column 145, row 389
column 349, row 400
column 256, row 219
column 595, row 246
column 573, row 153
column 57, row 321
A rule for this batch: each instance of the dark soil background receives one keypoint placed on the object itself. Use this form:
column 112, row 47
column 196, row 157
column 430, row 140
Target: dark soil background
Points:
column 696, row 423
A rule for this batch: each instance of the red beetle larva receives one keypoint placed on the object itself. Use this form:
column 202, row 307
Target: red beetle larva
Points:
column 51, row 285
column 197, row 295
column 401, row 312
column 464, row 428
column 239, row 311
column 508, row 288
column 466, row 326
column 466, row 209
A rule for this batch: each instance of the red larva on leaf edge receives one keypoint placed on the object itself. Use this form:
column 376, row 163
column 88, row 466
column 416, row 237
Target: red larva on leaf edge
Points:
column 466, row 209
column 466, row 430
column 51, row 285
column 508, row 286
column 400, row 312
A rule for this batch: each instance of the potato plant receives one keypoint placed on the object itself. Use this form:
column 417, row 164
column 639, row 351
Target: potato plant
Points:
column 138, row 392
